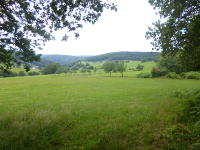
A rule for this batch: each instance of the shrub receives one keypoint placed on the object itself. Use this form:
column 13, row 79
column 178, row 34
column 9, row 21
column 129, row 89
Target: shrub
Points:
column 143, row 75
column 171, row 64
column 59, row 70
column 51, row 68
column 12, row 74
column 192, row 75
column 173, row 75
column 191, row 104
column 139, row 67
column 132, row 69
column 8, row 74
column 158, row 72
column 191, row 111
column 33, row 73
column 185, row 134
column 21, row 73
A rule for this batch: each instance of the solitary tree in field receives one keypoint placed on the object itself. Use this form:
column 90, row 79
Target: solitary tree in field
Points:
column 26, row 24
column 108, row 67
column 177, row 32
column 121, row 67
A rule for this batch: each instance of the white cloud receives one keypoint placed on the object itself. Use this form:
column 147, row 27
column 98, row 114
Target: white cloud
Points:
column 123, row 30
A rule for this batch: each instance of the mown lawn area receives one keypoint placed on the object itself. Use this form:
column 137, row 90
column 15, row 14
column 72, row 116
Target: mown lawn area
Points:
column 59, row 112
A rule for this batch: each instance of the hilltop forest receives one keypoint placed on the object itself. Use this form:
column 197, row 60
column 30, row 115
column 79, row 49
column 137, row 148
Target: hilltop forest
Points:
column 133, row 56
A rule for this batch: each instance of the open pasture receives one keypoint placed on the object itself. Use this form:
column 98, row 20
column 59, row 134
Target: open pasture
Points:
column 129, row 66
column 56, row 112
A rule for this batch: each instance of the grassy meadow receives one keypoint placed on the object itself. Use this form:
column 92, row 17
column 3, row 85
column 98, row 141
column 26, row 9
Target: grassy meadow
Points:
column 129, row 65
column 59, row 112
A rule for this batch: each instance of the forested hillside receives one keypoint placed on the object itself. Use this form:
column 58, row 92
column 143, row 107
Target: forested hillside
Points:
column 43, row 62
column 62, row 59
column 135, row 56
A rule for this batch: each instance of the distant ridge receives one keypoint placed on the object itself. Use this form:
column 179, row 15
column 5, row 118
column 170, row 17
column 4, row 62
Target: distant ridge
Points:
column 63, row 59
column 135, row 56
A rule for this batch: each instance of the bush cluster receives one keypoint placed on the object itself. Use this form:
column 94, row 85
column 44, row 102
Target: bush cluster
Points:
column 21, row 73
column 8, row 74
column 55, row 68
column 143, row 75
column 191, row 104
column 14, row 74
column 33, row 73
column 173, row 75
column 191, row 75
column 139, row 67
column 163, row 72
column 185, row 134
column 170, row 67
column 158, row 72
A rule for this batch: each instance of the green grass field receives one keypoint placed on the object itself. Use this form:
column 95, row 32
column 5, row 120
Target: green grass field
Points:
column 129, row 64
column 59, row 112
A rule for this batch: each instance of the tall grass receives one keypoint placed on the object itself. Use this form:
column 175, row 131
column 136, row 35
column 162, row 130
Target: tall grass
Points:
column 89, row 112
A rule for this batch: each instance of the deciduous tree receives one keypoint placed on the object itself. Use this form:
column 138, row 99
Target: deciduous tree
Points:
column 177, row 32
column 121, row 67
column 51, row 68
column 108, row 67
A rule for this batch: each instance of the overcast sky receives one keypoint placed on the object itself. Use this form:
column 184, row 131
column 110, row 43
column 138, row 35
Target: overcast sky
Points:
column 123, row 30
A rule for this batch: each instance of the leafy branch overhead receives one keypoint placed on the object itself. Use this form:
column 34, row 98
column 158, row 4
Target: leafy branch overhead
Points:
column 177, row 31
column 26, row 24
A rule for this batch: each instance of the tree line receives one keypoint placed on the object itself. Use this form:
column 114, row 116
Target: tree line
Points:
column 55, row 68
column 120, row 56
column 118, row 66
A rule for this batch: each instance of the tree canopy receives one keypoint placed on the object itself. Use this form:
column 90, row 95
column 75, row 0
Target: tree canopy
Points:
column 114, row 66
column 177, row 32
column 115, row 56
column 121, row 67
column 26, row 24
column 108, row 67
column 51, row 68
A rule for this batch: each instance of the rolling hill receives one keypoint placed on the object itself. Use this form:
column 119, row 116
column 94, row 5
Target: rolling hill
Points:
column 62, row 59
column 134, row 56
